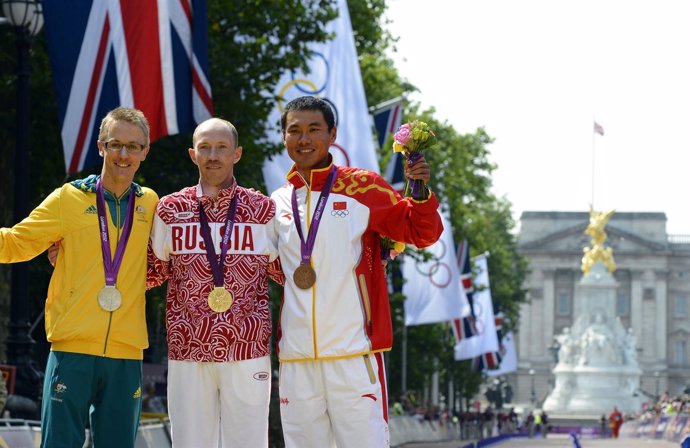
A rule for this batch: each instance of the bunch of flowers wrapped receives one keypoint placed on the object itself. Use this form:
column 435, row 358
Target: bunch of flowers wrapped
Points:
column 411, row 140
column 390, row 249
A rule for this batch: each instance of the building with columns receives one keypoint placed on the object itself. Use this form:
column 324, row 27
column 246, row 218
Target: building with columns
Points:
column 652, row 296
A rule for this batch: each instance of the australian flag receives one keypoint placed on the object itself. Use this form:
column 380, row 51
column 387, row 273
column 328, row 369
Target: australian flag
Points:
column 387, row 120
column 466, row 327
column 148, row 54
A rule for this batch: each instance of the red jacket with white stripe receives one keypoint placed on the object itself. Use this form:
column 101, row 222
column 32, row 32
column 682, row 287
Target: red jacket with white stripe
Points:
column 177, row 253
column 346, row 313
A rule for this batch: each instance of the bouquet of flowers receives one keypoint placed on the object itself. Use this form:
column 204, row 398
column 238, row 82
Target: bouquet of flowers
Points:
column 411, row 140
column 390, row 249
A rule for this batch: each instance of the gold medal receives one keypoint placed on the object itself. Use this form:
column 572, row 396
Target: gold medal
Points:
column 220, row 299
column 304, row 276
column 109, row 298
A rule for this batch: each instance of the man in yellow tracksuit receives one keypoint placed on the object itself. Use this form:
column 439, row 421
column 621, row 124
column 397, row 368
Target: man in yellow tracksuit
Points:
column 95, row 308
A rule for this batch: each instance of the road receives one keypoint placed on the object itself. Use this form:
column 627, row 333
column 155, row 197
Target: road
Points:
column 557, row 440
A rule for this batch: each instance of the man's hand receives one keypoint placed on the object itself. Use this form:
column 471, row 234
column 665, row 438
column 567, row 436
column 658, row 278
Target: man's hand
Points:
column 53, row 253
column 419, row 171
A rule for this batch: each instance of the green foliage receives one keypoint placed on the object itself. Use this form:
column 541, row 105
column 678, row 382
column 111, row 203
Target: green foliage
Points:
column 369, row 27
column 461, row 177
column 251, row 43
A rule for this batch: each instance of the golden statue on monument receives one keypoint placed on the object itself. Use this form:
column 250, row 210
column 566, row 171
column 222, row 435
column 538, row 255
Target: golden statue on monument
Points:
column 595, row 229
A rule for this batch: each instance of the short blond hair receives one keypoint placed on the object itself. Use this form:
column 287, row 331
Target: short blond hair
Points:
column 128, row 115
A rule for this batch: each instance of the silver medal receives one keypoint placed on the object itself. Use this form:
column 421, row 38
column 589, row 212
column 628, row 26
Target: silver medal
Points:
column 109, row 298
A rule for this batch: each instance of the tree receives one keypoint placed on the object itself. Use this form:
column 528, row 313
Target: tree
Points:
column 462, row 180
column 251, row 43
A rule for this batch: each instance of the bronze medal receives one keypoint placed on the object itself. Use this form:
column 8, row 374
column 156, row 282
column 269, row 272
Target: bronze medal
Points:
column 220, row 299
column 304, row 276
column 109, row 298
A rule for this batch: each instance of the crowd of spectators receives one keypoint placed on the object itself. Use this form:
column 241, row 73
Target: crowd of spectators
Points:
column 475, row 423
column 666, row 405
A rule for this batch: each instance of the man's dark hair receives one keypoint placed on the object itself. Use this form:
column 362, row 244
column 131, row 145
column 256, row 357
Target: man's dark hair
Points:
column 309, row 103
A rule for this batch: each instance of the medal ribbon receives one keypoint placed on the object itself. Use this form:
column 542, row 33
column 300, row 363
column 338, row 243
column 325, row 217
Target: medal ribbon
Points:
column 217, row 267
column 111, row 265
column 308, row 246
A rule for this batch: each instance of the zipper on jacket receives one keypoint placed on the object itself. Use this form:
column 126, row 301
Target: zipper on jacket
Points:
column 367, row 304
column 107, row 333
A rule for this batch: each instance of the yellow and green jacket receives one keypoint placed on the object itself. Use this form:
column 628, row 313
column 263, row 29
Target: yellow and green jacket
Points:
column 74, row 321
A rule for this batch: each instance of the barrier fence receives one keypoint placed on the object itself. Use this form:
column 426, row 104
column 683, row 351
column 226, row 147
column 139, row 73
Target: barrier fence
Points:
column 674, row 428
column 153, row 433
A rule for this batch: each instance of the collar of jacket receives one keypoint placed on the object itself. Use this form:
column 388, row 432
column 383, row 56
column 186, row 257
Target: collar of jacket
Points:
column 317, row 177
column 89, row 184
column 223, row 193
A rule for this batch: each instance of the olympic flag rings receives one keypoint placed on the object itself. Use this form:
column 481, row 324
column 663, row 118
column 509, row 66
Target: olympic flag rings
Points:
column 341, row 156
column 289, row 84
column 314, row 90
column 343, row 152
column 479, row 319
column 435, row 273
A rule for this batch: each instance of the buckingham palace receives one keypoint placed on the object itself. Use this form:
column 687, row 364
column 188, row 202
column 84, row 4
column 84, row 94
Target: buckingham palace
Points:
column 652, row 296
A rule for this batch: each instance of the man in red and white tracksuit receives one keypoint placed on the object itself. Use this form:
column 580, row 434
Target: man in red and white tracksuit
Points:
column 332, row 332
column 219, row 370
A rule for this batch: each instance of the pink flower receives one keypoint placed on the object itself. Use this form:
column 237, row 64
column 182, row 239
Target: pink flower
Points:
column 403, row 134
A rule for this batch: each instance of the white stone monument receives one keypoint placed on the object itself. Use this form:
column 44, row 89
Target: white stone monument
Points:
column 597, row 360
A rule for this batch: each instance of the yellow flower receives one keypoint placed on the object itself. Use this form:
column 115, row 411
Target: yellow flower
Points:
column 399, row 247
column 397, row 147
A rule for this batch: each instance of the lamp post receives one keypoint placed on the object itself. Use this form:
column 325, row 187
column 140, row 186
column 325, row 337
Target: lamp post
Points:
column 25, row 16
column 533, row 394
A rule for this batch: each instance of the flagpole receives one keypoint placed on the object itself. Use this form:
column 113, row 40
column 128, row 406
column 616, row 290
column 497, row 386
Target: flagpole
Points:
column 404, row 356
column 593, row 156
column 385, row 104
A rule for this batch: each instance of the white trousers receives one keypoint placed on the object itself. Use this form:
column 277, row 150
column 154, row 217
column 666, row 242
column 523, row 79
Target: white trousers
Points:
column 219, row 404
column 339, row 403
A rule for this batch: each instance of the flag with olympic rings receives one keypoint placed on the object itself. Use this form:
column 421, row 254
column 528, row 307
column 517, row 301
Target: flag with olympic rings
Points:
column 333, row 76
column 433, row 290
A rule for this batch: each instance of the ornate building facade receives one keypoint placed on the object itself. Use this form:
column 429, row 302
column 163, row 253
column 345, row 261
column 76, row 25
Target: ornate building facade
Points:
column 652, row 297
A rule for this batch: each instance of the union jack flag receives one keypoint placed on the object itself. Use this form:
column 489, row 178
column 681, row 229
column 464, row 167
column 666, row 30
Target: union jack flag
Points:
column 147, row 54
column 387, row 119
column 466, row 327
column 492, row 360
column 487, row 361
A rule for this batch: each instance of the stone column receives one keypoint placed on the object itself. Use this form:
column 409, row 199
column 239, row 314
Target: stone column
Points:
column 542, row 326
column 661, row 300
column 636, row 291
column 523, row 337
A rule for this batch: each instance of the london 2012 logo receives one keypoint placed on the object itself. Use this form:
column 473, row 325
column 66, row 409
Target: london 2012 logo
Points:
column 315, row 83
